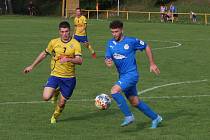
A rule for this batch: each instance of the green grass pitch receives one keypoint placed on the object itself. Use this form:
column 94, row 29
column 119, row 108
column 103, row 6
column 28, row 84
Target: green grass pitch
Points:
column 181, row 93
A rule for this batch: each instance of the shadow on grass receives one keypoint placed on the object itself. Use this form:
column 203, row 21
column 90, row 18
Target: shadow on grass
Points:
column 91, row 115
column 167, row 117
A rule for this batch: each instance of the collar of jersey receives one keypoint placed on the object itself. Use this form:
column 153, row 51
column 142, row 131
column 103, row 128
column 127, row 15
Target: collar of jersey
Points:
column 120, row 40
column 67, row 41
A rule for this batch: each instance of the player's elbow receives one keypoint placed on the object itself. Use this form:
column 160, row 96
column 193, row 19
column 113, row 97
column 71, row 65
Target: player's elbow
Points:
column 80, row 61
column 43, row 54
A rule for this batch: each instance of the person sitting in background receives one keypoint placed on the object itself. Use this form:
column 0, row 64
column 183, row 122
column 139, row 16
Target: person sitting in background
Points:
column 168, row 16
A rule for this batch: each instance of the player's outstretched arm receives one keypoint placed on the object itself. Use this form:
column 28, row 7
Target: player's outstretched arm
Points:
column 76, row 60
column 108, row 62
column 153, row 66
column 39, row 59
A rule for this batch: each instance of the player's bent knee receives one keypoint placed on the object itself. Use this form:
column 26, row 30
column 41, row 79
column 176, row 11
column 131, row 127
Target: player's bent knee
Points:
column 45, row 98
column 48, row 93
column 115, row 89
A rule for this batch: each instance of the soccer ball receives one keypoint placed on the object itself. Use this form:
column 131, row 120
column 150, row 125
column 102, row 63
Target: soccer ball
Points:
column 102, row 101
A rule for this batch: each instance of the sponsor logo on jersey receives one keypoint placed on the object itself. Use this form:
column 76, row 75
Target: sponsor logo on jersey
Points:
column 119, row 56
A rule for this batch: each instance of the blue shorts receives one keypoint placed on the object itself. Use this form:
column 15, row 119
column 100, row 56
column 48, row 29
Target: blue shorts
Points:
column 66, row 85
column 128, row 82
column 82, row 39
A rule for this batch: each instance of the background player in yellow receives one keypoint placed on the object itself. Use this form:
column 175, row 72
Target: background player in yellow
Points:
column 65, row 54
column 80, row 33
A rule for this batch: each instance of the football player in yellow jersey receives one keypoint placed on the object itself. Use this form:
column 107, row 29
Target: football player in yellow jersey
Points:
column 65, row 53
column 80, row 33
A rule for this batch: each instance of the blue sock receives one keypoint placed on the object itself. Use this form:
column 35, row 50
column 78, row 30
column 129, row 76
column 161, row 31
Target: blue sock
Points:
column 121, row 102
column 146, row 110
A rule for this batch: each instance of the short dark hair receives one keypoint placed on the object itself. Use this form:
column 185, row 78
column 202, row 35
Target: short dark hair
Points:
column 64, row 24
column 116, row 24
column 78, row 9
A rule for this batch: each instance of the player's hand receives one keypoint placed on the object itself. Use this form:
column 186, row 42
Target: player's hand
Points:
column 154, row 69
column 109, row 62
column 64, row 59
column 28, row 69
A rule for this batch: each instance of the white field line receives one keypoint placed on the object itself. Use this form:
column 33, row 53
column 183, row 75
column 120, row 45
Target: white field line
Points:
column 39, row 102
column 170, row 47
column 92, row 100
column 171, row 97
column 147, row 90
column 177, row 44
column 26, row 102
column 171, row 84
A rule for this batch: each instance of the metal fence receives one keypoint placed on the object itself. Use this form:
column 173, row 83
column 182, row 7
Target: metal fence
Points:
column 201, row 18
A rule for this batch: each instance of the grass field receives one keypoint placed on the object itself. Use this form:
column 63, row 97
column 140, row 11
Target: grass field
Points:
column 180, row 94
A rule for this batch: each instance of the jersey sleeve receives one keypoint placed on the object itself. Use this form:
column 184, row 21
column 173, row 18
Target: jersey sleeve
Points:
column 78, row 51
column 139, row 44
column 75, row 23
column 49, row 48
column 84, row 20
column 108, row 54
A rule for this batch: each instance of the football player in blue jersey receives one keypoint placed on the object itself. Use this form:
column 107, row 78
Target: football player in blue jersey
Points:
column 121, row 51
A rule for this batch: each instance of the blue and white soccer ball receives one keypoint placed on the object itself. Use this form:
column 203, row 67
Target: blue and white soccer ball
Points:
column 102, row 101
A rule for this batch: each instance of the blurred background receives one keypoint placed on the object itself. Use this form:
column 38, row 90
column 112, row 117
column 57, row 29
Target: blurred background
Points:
column 54, row 7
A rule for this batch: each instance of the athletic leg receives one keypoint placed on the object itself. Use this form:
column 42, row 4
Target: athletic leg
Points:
column 121, row 102
column 132, row 96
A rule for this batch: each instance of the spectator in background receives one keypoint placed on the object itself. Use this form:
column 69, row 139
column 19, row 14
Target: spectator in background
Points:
column 173, row 10
column 163, row 10
column 168, row 16
column 32, row 9
column 193, row 17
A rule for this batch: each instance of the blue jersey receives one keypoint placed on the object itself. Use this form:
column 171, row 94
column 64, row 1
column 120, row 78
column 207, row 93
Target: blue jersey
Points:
column 123, row 53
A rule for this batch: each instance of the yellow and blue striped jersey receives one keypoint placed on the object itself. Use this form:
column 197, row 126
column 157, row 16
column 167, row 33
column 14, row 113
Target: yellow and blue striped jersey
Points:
column 80, row 23
column 57, row 48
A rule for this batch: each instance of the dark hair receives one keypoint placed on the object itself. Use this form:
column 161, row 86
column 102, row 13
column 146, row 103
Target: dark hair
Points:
column 78, row 9
column 64, row 24
column 116, row 24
